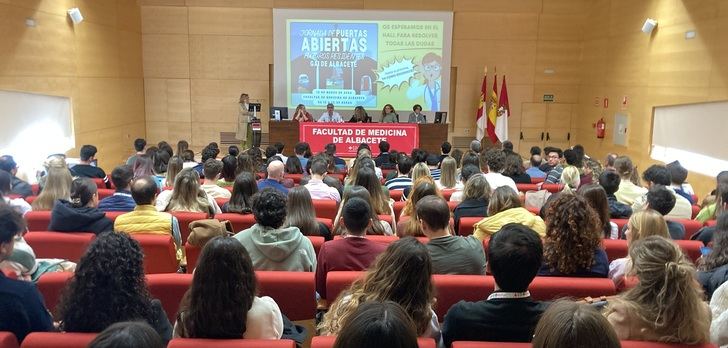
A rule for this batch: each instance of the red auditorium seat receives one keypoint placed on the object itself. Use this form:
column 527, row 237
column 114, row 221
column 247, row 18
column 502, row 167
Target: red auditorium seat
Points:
column 51, row 285
column 8, row 340
column 711, row 223
column 550, row 288
column 104, row 192
column 325, row 208
column 184, row 219
column 35, row 188
column 466, row 225
column 620, row 224
column 100, row 184
column 526, row 187
column 695, row 211
column 447, row 193
column 239, row 221
column 328, row 342
column 691, row 226
column 691, row 248
column 617, row 248
column 240, row 343
column 398, row 206
column 169, row 289
column 59, row 245
column 553, row 188
column 339, row 176
column 453, row 288
column 38, row 220
column 628, row 283
column 328, row 222
column 112, row 215
column 193, row 254
column 387, row 218
column 452, row 205
column 317, row 242
column 295, row 177
column 337, row 282
column 396, row 195
column 647, row 344
column 537, row 180
column 58, row 340
column 378, row 238
column 534, row 210
column 221, row 201
column 159, row 253
column 467, row 344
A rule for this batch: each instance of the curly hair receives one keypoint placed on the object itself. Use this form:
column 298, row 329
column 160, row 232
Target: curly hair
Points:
column 108, row 286
column 269, row 207
column 572, row 234
column 495, row 160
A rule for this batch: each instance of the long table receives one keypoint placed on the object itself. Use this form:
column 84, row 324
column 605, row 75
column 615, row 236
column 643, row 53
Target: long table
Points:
column 431, row 136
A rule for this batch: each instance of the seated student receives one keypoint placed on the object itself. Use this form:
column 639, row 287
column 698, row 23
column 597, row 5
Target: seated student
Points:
column 403, row 180
column 383, row 156
column 378, row 324
column 705, row 234
column 629, row 190
column 719, row 325
column 352, row 253
column 492, row 162
column 19, row 204
column 572, row 324
column 139, row 145
column 466, row 172
column 569, row 158
column 56, row 184
column 505, row 207
column 222, row 303
column 597, row 199
column 448, row 175
column 514, row 169
column 509, row 314
column 316, row 186
column 667, row 304
column 19, row 187
column 209, row 152
column 377, row 227
column 241, row 201
column 275, row 176
column 80, row 213
column 211, row 170
column 662, row 200
column 405, row 265
column 145, row 218
column 128, row 334
column 533, row 171
column 121, row 200
column 450, row 254
column 187, row 195
column 641, row 225
column 84, row 169
column 188, row 159
column 678, row 175
column 475, row 200
column 273, row 247
column 445, row 149
column 432, row 163
column 422, row 188
column 713, row 267
column 573, row 242
column 109, row 287
column 301, row 213
column 659, row 175
column 23, row 310
column 229, row 166
column 610, row 181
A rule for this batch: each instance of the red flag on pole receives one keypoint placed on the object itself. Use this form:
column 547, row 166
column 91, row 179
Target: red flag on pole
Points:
column 504, row 111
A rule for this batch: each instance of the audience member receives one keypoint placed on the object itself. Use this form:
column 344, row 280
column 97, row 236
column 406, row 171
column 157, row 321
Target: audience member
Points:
column 128, row 334
column 378, row 324
column 422, row 188
column 713, row 267
column 80, row 213
column 23, row 310
column 188, row 159
column 597, row 199
column 504, row 208
column 241, row 199
column 256, row 156
column 19, row 204
column 706, row 233
column 445, row 149
column 448, row 175
column 18, row 187
column 573, row 242
column 209, row 152
column 662, row 200
column 450, row 254
column 659, row 175
column 513, row 169
column 279, row 151
column 433, row 162
column 273, row 247
column 402, row 181
column 316, row 186
column 160, row 161
column 572, row 324
column 330, row 150
column 245, row 164
column 174, row 166
column 382, row 204
column 475, row 200
column 466, row 172
column 227, row 175
column 534, row 171
column 221, row 302
column 667, row 304
column 212, row 171
column 109, row 287
column 405, row 265
column 509, row 314
column 57, row 184
column 143, row 166
column 610, row 181
column 121, row 200
column 553, row 159
column 275, row 176
column 475, row 146
column 378, row 227
column 182, row 146
column 139, row 145
column 641, row 225
column 609, row 162
column 353, row 252
column 678, row 175
column 494, row 161
column 710, row 209
column 187, row 195
column 719, row 325
column 145, row 218
column 383, row 156
column 590, row 172
column 629, row 190
column 580, row 155
column 554, row 176
column 293, row 165
column 300, row 213
column 570, row 179
column 300, row 151
column 457, row 154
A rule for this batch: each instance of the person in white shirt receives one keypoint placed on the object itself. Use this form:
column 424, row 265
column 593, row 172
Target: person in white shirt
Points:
column 330, row 115
column 494, row 160
column 212, row 171
column 316, row 186
column 279, row 151
column 19, row 204
column 660, row 175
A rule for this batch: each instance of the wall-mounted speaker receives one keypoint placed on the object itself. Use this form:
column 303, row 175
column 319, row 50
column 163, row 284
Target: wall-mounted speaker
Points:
column 649, row 25
column 75, row 14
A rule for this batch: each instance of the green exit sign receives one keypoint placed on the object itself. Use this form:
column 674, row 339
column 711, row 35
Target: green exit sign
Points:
column 548, row 97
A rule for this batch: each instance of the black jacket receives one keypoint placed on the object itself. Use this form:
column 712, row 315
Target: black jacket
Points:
column 20, row 187
column 67, row 218
column 470, row 208
column 711, row 280
column 618, row 210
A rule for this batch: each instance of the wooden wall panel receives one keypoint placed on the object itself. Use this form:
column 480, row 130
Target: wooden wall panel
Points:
column 166, row 56
column 560, row 27
column 97, row 50
column 230, row 3
column 167, row 100
column 164, row 20
column 231, row 21
column 497, row 6
column 418, row 5
column 230, row 57
column 514, row 27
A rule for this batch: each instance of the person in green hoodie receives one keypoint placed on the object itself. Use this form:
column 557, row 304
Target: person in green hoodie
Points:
column 272, row 245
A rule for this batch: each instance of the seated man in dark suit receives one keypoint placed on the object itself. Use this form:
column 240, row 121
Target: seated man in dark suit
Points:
column 509, row 314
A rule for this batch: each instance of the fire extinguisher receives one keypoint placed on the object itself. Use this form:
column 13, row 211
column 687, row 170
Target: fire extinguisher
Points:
column 601, row 127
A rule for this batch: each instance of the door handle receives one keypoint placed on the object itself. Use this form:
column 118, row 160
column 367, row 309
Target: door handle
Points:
column 548, row 136
column 568, row 136
column 541, row 136
column 521, row 135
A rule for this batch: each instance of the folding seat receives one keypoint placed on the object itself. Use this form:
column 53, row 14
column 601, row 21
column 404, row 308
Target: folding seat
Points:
column 526, row 187
column 620, row 224
column 451, row 289
column 160, row 254
column 30, row 199
column 691, row 248
column 221, row 201
column 8, row 340
column 695, row 211
column 239, row 221
column 100, row 184
column 553, row 188
column 317, row 242
column 534, row 210
column 184, row 218
column 58, row 340
column 328, row 342
column 615, row 248
column 396, row 195
column 537, row 180
column 452, row 205
column 294, row 292
column 169, row 289
column 550, row 288
column 35, row 188
column 295, row 177
column 691, row 226
column 59, row 245
column 192, row 253
column 387, row 218
column 325, row 208
column 38, row 220
column 465, row 228
column 51, row 285
column 385, row 172
column 467, row 344
column 648, row 344
column 338, row 281
column 447, row 193
column 112, row 215
column 398, row 206
column 328, row 222
column 104, row 192
column 239, row 343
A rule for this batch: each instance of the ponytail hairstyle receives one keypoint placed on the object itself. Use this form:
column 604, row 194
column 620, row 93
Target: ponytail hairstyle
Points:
column 626, row 170
column 82, row 192
column 667, row 298
column 571, row 179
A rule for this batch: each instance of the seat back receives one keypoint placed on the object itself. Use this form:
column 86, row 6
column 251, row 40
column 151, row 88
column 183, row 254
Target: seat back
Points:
column 169, row 289
column 691, row 226
column 691, row 248
column 328, row 342
column 466, row 225
column 160, row 254
column 452, row 206
column 695, row 209
column 534, row 210
column 295, row 177
column 239, row 343
column 59, row 245
column 398, row 206
column 104, row 192
column 221, row 201
column 50, row 286
column 192, row 253
column 447, row 193
column 396, row 195
column 239, row 221
column 317, row 242
column 38, row 220
column 620, row 225
column 451, row 289
column 100, row 184
column 8, row 340
column 553, row 188
column 615, row 248
column 550, row 288
column 526, row 187
column 58, row 340
column 648, row 344
column 338, row 281
column 281, row 286
column 325, row 208
column 466, row 344
column 112, row 215
column 537, row 180
column 184, row 218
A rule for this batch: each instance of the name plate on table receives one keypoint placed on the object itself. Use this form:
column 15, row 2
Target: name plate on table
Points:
column 348, row 136
column 255, row 125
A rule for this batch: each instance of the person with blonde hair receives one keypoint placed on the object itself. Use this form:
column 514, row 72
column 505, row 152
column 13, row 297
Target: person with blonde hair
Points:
column 629, row 186
column 404, row 267
column 641, row 225
column 448, row 175
column 505, row 207
column 667, row 304
column 570, row 177
column 187, row 195
column 57, row 184
column 572, row 324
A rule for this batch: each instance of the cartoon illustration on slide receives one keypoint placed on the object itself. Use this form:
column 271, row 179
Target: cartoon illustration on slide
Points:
column 431, row 70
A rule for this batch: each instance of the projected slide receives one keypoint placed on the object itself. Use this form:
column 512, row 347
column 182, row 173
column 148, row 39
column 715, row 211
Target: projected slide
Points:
column 363, row 62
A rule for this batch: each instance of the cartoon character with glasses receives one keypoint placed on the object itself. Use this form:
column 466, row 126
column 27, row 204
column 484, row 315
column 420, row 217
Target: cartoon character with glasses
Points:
column 431, row 69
